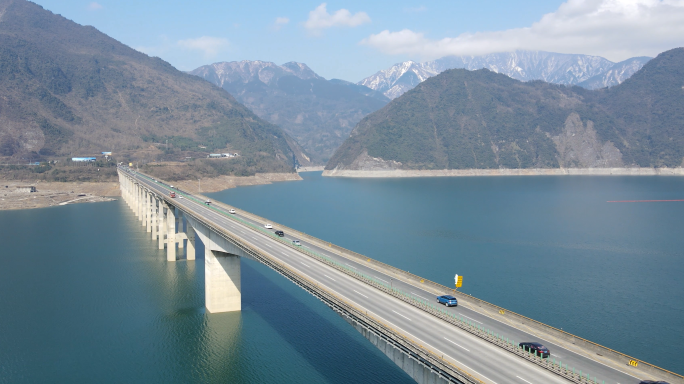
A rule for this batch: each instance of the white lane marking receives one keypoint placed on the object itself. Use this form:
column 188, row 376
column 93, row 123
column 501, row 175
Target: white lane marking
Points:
column 360, row 293
column 382, row 280
column 419, row 296
column 471, row 319
column 472, row 370
column 305, row 264
column 457, row 344
column 329, row 277
column 351, row 266
column 401, row 315
column 523, row 379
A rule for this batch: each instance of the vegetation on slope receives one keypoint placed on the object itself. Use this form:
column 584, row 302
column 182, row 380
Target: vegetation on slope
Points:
column 479, row 119
column 70, row 90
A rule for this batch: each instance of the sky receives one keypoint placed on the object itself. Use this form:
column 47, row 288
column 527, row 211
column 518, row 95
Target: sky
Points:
column 351, row 39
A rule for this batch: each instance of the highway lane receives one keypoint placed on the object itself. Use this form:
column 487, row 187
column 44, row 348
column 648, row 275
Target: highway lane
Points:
column 465, row 350
column 558, row 352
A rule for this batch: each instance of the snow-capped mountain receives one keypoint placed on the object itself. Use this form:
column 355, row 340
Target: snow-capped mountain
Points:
column 318, row 113
column 558, row 68
column 616, row 74
column 251, row 70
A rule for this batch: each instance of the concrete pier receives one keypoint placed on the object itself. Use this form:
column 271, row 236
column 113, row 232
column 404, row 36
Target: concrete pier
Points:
column 222, row 281
column 179, row 225
column 162, row 225
column 148, row 211
column 170, row 233
column 155, row 225
column 221, row 269
column 190, row 249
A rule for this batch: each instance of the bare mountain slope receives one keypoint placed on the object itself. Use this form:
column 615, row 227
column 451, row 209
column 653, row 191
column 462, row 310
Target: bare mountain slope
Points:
column 318, row 113
column 67, row 89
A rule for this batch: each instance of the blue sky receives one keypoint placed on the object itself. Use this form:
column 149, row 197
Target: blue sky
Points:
column 351, row 40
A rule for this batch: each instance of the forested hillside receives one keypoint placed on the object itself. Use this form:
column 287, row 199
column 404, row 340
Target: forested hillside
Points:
column 318, row 113
column 70, row 90
column 482, row 120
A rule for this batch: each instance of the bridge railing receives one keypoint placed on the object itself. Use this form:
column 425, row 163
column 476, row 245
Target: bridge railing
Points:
column 576, row 343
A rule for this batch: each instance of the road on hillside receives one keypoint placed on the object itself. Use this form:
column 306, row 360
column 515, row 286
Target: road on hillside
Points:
column 479, row 357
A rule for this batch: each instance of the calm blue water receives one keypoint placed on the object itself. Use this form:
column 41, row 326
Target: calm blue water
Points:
column 87, row 297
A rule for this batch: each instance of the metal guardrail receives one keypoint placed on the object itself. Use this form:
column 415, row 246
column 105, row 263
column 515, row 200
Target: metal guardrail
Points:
column 573, row 374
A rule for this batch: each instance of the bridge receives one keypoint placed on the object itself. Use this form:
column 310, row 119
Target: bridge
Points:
column 475, row 342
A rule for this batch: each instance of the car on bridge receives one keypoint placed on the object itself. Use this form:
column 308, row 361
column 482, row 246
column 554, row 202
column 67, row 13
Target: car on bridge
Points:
column 232, row 211
column 297, row 243
column 653, row 382
column 535, row 348
column 208, row 202
column 268, row 226
column 447, row 300
column 280, row 233
column 172, row 194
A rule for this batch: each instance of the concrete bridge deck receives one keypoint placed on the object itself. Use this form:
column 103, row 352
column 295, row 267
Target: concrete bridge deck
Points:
column 396, row 312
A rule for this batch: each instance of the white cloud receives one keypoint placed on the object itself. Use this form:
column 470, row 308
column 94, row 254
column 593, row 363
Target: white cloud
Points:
column 280, row 22
column 209, row 45
column 615, row 29
column 320, row 19
column 94, row 6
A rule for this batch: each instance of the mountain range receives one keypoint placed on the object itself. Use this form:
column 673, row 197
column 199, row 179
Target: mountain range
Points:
column 318, row 113
column 463, row 119
column 591, row 72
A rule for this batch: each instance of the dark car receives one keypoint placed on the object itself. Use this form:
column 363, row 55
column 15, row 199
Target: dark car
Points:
column 536, row 348
column 653, row 382
column 280, row 233
column 447, row 300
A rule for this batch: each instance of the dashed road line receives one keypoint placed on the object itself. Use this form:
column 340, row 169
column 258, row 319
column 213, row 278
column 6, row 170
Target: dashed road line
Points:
column 471, row 319
column 360, row 293
column 523, row 379
column 456, row 344
column 401, row 315
column 329, row 277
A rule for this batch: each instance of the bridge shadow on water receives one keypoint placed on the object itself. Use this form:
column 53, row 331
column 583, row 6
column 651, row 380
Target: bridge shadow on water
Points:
column 328, row 343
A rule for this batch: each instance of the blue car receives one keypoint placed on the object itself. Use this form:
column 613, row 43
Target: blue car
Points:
column 447, row 300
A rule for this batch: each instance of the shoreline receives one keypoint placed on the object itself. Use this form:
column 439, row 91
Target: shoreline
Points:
column 313, row 168
column 50, row 194
column 506, row 172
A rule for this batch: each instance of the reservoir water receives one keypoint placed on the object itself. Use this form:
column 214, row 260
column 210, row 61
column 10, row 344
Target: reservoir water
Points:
column 85, row 296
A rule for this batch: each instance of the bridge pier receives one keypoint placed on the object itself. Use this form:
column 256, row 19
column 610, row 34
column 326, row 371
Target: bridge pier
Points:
column 155, row 225
column 170, row 233
column 162, row 224
column 222, row 281
column 191, row 248
column 148, row 211
column 179, row 225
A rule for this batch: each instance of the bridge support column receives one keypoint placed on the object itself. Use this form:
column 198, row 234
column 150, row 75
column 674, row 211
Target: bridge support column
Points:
column 190, row 251
column 179, row 225
column 222, row 281
column 148, row 211
column 154, row 217
column 170, row 234
column 222, row 284
column 162, row 224
column 139, row 201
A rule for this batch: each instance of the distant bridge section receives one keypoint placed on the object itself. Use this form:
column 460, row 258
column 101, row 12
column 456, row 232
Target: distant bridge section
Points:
column 476, row 342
